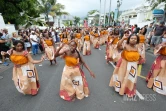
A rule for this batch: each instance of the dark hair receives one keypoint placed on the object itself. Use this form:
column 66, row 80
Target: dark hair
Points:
column 135, row 25
column 115, row 31
column 127, row 31
column 64, row 35
column 128, row 40
column 18, row 41
column 79, row 56
column 1, row 34
column 49, row 34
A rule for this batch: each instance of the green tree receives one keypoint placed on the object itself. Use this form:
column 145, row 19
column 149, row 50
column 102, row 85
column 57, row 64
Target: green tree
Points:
column 68, row 23
column 51, row 7
column 92, row 12
column 44, row 7
column 76, row 20
column 18, row 11
column 155, row 3
column 57, row 10
column 86, row 18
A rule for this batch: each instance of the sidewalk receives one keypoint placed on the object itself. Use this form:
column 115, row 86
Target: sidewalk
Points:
column 4, row 68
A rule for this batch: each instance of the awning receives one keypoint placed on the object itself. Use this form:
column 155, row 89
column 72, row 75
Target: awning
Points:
column 158, row 11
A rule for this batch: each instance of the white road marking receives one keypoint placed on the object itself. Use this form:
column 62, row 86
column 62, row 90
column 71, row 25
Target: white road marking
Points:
column 139, row 95
column 112, row 64
column 40, row 65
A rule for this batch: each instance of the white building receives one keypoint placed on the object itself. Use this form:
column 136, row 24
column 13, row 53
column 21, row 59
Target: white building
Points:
column 10, row 27
column 91, row 18
column 140, row 15
column 59, row 20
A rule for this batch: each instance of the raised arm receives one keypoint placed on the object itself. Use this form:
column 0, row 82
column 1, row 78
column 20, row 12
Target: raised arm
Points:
column 121, row 41
column 58, row 53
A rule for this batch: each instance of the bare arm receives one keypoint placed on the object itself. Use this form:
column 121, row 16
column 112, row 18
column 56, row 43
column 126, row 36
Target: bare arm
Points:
column 58, row 53
column 35, row 61
column 2, row 41
column 121, row 42
column 87, row 67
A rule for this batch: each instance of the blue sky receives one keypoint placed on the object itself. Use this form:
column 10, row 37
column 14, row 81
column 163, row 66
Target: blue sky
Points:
column 81, row 7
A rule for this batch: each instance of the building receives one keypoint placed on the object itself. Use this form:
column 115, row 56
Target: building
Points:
column 10, row 27
column 140, row 15
column 59, row 20
column 92, row 19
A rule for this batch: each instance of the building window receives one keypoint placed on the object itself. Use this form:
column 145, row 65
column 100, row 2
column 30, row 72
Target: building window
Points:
column 134, row 15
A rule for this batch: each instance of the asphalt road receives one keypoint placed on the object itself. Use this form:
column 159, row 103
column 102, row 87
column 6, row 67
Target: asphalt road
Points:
column 102, row 98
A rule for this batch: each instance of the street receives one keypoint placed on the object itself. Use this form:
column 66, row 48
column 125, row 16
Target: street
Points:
column 102, row 98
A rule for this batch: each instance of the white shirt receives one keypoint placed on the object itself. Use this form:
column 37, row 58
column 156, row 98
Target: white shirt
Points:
column 163, row 40
column 34, row 37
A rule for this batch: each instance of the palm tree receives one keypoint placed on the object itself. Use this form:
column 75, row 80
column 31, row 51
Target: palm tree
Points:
column 155, row 3
column 57, row 10
column 44, row 6
column 51, row 7
column 33, row 21
column 92, row 12
column 76, row 20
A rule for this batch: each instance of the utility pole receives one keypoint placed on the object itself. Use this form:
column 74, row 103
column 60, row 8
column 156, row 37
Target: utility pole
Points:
column 100, row 14
column 104, row 12
column 109, row 19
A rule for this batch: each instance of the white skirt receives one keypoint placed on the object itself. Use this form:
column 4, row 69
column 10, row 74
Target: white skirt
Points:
column 27, row 44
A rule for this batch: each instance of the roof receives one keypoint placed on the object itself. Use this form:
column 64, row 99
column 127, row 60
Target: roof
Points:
column 94, row 14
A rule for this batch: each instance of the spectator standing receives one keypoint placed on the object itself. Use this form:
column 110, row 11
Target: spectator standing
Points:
column 3, row 47
column 158, row 34
column 34, row 41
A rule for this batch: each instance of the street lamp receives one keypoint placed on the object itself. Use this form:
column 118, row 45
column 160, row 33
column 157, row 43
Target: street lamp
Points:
column 119, row 3
column 104, row 12
column 100, row 14
column 109, row 13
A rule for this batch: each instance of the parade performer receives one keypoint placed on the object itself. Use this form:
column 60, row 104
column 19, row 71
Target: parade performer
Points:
column 96, row 39
column 125, row 74
column 114, row 52
column 79, row 40
column 65, row 43
column 156, row 77
column 49, row 47
column 109, row 40
column 60, row 36
column 141, row 46
column 25, row 74
column 92, row 35
column 86, row 47
column 105, row 35
column 73, row 81
column 102, row 37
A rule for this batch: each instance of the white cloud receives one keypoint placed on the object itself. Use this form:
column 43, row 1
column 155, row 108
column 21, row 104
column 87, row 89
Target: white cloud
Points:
column 81, row 7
